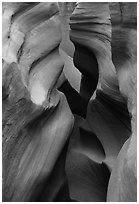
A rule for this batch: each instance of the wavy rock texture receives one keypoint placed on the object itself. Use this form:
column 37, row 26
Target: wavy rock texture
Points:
column 28, row 43
column 91, row 29
column 123, row 180
column 37, row 120
column 108, row 111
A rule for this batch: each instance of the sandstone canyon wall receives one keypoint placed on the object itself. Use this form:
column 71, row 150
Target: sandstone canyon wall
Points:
column 61, row 144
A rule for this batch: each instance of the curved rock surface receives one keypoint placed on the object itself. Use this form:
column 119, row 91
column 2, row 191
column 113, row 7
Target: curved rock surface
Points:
column 123, row 180
column 37, row 120
column 26, row 43
column 106, row 55
column 91, row 29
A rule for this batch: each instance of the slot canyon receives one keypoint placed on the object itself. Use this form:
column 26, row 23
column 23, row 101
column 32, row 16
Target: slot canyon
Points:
column 69, row 102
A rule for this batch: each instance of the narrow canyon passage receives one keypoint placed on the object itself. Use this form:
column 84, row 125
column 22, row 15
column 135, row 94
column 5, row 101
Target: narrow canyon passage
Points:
column 69, row 107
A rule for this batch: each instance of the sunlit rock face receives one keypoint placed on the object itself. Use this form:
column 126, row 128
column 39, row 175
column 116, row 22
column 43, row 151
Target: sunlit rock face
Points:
column 31, row 38
column 37, row 120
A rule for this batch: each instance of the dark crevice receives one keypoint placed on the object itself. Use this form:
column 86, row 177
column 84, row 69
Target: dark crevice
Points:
column 86, row 62
column 76, row 103
column 20, row 51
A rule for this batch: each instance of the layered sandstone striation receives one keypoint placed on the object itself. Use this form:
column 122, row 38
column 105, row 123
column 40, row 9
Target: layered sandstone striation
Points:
column 37, row 120
column 105, row 54
column 26, row 43
column 123, row 180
